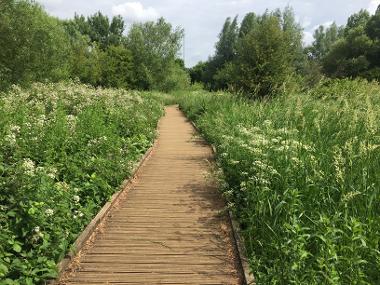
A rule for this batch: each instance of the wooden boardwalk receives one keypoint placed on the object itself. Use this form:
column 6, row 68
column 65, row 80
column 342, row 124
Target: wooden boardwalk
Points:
column 169, row 228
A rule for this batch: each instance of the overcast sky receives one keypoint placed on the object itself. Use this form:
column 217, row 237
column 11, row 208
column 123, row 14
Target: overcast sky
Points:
column 203, row 20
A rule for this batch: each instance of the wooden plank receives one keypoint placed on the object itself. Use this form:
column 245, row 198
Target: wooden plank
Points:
column 171, row 227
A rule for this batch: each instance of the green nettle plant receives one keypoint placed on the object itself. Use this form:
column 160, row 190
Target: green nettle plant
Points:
column 301, row 173
column 64, row 150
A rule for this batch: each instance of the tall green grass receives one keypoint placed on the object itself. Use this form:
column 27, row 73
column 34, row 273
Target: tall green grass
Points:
column 302, row 173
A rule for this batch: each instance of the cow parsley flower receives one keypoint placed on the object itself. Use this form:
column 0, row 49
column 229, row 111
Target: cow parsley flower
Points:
column 15, row 129
column 49, row 212
column 29, row 166
column 76, row 198
column 11, row 139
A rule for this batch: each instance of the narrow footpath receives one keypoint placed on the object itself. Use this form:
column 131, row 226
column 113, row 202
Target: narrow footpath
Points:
column 170, row 227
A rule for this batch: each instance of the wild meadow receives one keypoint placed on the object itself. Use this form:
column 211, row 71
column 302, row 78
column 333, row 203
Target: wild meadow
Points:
column 301, row 174
column 65, row 148
column 297, row 137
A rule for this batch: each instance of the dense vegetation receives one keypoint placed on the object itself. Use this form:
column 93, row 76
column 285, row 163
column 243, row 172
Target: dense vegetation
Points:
column 255, row 57
column 351, row 50
column 37, row 47
column 264, row 55
column 299, row 162
column 64, row 150
column 301, row 174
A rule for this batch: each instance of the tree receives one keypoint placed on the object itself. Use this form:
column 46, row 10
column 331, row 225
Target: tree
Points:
column 226, row 46
column 357, row 21
column 99, row 29
column 154, row 47
column 293, row 35
column 225, row 52
column 34, row 46
column 350, row 55
column 263, row 59
column 248, row 23
column 116, row 67
column 116, row 31
column 324, row 39
column 197, row 72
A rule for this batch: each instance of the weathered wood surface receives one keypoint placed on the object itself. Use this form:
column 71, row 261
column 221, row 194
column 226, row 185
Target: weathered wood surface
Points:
column 170, row 227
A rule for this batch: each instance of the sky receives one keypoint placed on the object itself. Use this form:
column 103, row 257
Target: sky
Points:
column 203, row 20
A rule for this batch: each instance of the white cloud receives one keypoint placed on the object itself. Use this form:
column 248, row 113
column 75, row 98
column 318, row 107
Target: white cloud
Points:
column 373, row 6
column 135, row 12
column 308, row 38
column 305, row 22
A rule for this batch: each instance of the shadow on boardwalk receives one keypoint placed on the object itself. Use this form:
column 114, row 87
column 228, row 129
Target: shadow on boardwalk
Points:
column 170, row 228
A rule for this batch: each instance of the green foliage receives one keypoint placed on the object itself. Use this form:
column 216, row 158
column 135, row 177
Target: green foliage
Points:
column 64, row 150
column 263, row 63
column 197, row 72
column 177, row 79
column 116, row 67
column 301, row 174
column 257, row 57
column 293, row 36
column 324, row 39
column 350, row 51
column 224, row 54
column 348, row 57
column 100, row 30
column 34, row 46
column 37, row 47
column 154, row 47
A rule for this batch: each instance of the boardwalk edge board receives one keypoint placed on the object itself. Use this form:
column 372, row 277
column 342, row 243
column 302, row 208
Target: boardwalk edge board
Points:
column 91, row 227
column 249, row 279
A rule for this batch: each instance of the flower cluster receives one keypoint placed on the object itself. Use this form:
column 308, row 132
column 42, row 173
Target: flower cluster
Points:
column 64, row 150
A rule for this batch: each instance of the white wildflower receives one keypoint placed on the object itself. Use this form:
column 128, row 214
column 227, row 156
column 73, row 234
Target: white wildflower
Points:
column 36, row 229
column 62, row 186
column 296, row 161
column 3, row 207
column 29, row 166
column 52, row 173
column 11, row 139
column 49, row 212
column 267, row 123
column 76, row 198
column 71, row 118
column 244, row 130
column 15, row 129
column 41, row 120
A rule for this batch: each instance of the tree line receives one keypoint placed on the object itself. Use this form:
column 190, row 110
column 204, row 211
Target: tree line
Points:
column 96, row 50
column 264, row 54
